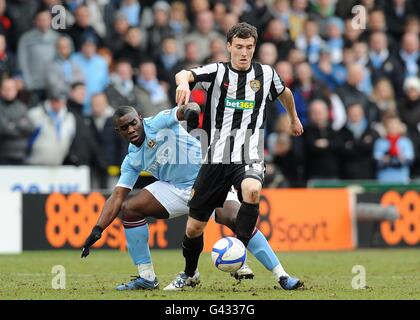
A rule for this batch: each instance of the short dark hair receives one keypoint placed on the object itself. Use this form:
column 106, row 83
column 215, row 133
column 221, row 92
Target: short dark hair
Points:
column 122, row 111
column 76, row 84
column 242, row 30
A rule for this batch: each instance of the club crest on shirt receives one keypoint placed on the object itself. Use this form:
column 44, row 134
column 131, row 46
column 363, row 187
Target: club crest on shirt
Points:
column 151, row 144
column 255, row 85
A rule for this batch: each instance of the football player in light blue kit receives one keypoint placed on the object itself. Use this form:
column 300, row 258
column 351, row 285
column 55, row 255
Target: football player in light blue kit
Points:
column 161, row 146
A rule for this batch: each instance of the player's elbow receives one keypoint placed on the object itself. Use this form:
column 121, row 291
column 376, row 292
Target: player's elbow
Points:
column 286, row 94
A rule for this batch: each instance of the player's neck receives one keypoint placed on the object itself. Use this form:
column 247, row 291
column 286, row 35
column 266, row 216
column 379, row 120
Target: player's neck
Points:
column 239, row 69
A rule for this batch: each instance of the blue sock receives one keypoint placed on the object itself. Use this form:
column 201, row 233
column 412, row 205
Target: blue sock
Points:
column 259, row 247
column 138, row 244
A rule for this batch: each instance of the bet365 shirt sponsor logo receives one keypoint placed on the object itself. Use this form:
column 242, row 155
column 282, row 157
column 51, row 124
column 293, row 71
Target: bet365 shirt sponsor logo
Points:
column 239, row 104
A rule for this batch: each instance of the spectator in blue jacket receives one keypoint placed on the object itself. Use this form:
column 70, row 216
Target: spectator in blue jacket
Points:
column 94, row 68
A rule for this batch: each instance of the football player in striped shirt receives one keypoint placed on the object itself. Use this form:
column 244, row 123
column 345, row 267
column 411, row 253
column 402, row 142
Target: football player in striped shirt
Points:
column 234, row 119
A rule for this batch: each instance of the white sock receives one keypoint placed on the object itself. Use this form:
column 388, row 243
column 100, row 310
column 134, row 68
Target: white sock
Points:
column 146, row 271
column 278, row 272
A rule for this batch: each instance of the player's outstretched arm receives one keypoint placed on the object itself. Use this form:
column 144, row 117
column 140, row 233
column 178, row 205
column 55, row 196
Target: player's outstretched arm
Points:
column 287, row 100
column 110, row 211
column 183, row 92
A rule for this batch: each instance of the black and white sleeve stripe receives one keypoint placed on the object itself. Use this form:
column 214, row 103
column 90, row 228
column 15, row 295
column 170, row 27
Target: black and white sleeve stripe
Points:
column 204, row 75
column 276, row 87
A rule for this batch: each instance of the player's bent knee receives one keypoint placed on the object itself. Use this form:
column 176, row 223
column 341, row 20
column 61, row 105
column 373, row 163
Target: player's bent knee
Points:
column 251, row 194
column 194, row 228
column 129, row 212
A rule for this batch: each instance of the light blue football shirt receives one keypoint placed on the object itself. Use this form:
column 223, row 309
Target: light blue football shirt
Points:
column 168, row 152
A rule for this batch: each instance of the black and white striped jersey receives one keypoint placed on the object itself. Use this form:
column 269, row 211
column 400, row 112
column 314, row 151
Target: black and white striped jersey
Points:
column 234, row 116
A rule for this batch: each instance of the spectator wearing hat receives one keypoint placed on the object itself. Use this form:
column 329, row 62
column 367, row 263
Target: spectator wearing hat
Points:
column 15, row 126
column 393, row 153
column 94, row 68
column 62, row 72
column 55, row 128
column 36, row 50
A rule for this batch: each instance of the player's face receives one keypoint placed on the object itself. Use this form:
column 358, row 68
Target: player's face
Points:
column 241, row 52
column 130, row 126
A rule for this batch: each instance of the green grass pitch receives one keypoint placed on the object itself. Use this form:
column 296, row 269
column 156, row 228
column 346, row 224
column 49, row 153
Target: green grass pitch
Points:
column 390, row 274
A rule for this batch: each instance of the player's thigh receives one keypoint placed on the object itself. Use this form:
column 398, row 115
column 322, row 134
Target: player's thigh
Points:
column 173, row 199
column 144, row 204
column 209, row 191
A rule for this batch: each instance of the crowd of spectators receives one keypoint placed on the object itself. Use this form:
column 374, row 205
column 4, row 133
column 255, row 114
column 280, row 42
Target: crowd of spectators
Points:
column 356, row 83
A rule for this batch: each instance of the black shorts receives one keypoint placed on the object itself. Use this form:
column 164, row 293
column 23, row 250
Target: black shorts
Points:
column 214, row 182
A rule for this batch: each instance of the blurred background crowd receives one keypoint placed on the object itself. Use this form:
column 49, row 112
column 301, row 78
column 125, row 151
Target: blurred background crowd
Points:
column 356, row 83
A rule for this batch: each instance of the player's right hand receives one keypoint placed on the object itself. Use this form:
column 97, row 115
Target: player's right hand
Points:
column 94, row 236
column 183, row 93
column 296, row 127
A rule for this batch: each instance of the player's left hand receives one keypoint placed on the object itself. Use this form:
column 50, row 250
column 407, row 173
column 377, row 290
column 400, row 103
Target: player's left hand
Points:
column 296, row 127
column 94, row 236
